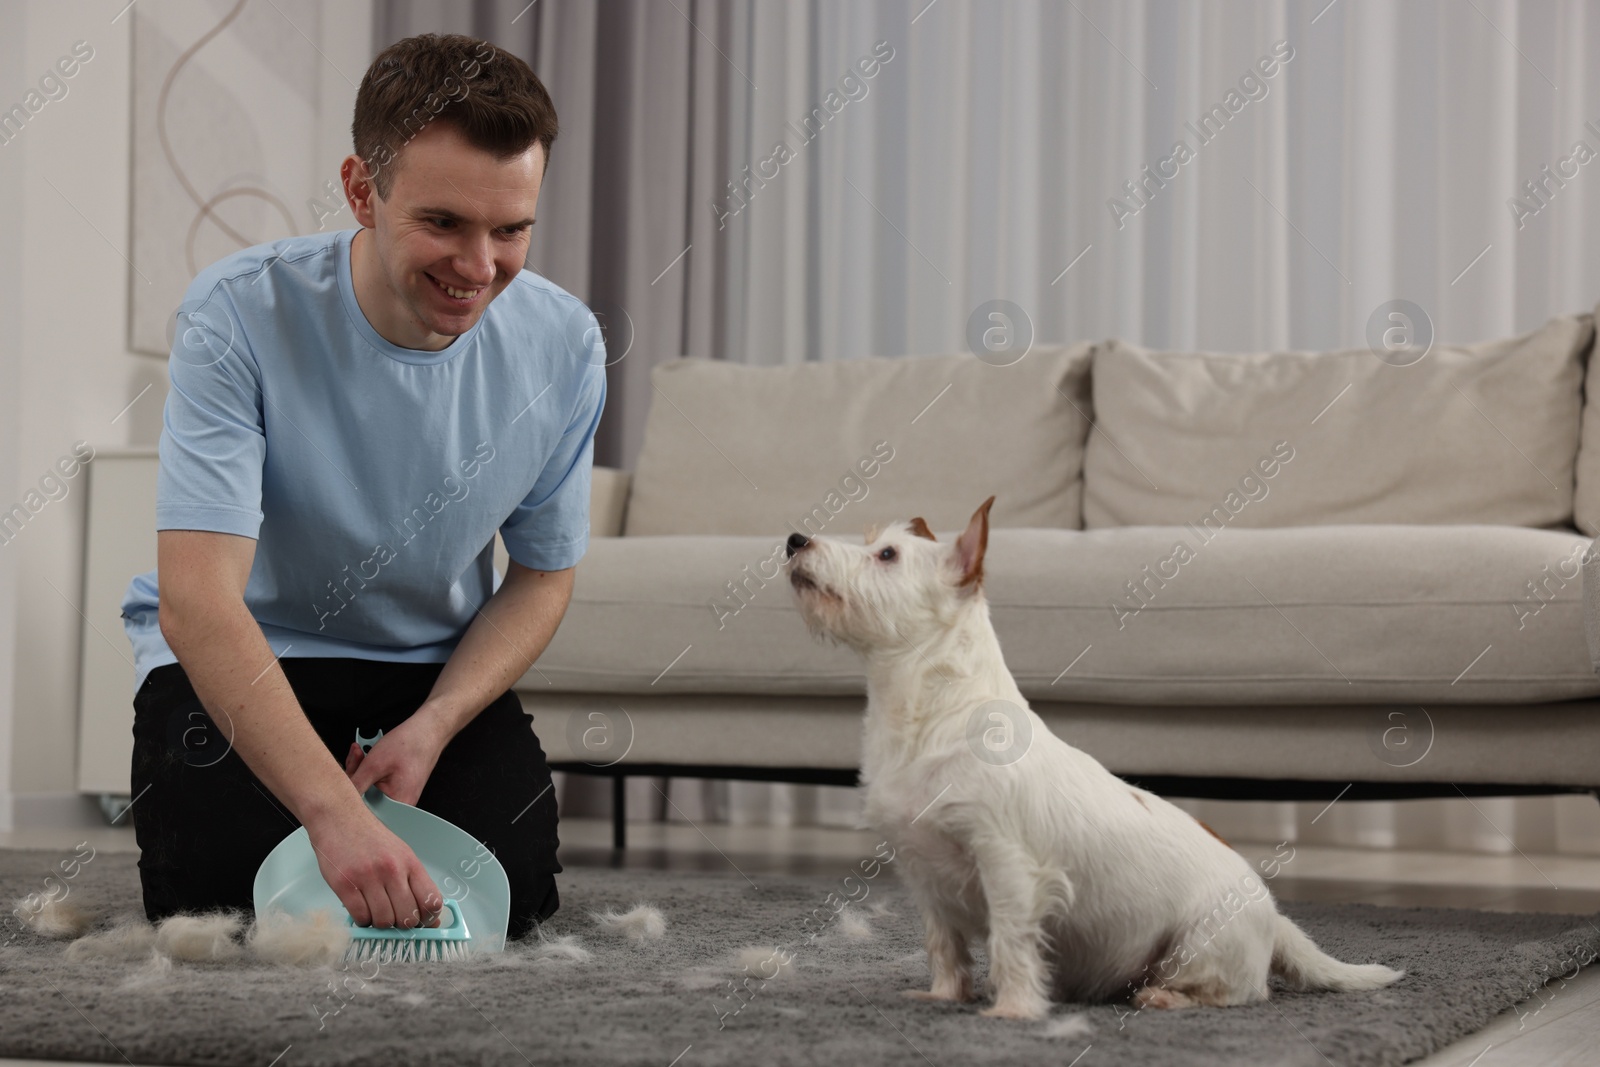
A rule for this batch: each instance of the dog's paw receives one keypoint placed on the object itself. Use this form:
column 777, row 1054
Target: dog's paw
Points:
column 1166, row 999
column 1021, row 1010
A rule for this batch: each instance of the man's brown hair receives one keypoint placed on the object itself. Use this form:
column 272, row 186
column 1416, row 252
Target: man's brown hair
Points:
column 492, row 97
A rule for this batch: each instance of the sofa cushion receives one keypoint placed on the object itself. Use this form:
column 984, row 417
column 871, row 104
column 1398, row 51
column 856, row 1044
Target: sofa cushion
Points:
column 1333, row 615
column 737, row 449
column 1464, row 743
column 1483, row 433
column 1586, row 492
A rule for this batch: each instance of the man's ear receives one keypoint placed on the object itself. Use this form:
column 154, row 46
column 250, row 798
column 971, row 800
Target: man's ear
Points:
column 970, row 546
column 919, row 527
column 361, row 189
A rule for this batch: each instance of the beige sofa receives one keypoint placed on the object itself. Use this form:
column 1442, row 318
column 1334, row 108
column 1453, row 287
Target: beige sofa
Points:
column 1280, row 574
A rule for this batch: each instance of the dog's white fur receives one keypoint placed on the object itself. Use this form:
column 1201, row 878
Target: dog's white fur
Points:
column 205, row 936
column 317, row 939
column 1085, row 888
column 310, row 940
column 129, row 939
column 564, row 949
column 644, row 922
column 54, row 916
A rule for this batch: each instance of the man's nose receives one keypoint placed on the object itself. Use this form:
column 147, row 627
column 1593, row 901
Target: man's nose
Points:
column 796, row 543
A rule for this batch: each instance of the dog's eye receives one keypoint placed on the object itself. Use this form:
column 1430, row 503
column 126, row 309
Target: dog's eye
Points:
column 887, row 554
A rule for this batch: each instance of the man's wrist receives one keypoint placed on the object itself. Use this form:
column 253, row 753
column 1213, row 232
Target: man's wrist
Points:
column 338, row 801
column 440, row 720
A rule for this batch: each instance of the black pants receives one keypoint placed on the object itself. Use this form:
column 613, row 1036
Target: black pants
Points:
column 205, row 822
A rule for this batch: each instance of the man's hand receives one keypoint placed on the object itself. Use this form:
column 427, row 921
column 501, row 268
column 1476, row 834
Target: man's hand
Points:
column 376, row 876
column 400, row 763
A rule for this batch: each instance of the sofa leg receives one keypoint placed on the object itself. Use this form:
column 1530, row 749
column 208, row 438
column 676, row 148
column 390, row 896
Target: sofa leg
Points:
column 619, row 812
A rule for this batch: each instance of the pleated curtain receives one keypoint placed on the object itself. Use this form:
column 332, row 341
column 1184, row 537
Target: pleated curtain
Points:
column 1026, row 150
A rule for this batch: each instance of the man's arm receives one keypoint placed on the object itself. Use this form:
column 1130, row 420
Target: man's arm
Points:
column 509, row 633
column 202, row 577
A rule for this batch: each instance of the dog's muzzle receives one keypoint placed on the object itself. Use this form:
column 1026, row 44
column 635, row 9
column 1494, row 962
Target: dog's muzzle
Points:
column 796, row 543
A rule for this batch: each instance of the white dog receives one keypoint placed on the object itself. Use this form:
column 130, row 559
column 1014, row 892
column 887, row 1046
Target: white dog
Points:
column 1086, row 888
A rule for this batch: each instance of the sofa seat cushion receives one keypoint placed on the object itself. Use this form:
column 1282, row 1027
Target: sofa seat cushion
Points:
column 1330, row 615
column 832, row 447
column 1523, row 744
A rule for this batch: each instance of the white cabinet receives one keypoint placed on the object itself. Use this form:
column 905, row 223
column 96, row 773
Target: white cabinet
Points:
column 120, row 543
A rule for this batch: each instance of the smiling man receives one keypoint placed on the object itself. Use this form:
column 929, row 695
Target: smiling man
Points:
column 352, row 418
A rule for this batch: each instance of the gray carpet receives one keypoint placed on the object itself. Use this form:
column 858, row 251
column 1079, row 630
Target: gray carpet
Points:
column 657, row 1003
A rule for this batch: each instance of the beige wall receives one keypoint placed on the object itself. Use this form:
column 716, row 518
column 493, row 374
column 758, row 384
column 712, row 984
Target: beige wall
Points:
column 65, row 370
column 65, row 200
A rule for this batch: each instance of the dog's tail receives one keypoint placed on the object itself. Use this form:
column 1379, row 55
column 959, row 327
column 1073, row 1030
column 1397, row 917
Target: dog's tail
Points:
column 1301, row 964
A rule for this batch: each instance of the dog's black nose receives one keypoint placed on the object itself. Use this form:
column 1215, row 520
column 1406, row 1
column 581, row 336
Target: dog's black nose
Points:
column 796, row 543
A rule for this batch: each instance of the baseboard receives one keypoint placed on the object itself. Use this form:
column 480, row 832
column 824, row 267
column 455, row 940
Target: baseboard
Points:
column 53, row 810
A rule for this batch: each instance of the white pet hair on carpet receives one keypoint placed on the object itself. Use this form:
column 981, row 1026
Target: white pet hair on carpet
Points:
column 310, row 940
column 1068, row 1027
column 644, row 922
column 156, row 968
column 515, row 954
column 763, row 961
column 205, row 936
column 302, row 941
column 853, row 926
column 128, row 939
column 54, row 916
column 699, row 978
column 567, row 948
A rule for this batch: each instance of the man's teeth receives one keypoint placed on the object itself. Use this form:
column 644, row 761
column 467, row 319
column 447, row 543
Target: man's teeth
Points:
column 459, row 294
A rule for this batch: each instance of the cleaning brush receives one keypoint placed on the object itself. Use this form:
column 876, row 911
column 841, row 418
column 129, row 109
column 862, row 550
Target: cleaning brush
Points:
column 447, row 941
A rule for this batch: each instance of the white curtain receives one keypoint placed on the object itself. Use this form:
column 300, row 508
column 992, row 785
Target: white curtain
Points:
column 1357, row 152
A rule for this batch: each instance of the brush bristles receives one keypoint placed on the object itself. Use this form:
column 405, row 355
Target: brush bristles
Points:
column 405, row 950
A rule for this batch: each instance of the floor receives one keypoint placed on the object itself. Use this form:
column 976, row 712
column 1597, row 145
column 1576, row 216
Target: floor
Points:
column 1564, row 1031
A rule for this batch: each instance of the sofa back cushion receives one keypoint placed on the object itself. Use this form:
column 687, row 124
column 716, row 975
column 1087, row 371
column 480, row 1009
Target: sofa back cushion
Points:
column 834, row 447
column 1484, row 433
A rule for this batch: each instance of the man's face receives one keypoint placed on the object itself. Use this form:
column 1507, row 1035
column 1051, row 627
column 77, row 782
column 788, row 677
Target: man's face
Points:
column 455, row 217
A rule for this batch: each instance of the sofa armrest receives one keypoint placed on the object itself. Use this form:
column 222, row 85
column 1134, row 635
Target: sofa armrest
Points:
column 608, row 500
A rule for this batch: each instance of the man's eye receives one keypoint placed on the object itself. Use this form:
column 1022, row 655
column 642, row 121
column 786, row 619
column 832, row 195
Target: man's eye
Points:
column 887, row 554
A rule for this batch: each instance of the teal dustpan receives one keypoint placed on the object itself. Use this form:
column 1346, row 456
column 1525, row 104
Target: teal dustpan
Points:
column 477, row 905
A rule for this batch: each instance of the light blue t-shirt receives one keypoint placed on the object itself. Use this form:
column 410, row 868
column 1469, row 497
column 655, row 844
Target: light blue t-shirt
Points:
column 373, row 477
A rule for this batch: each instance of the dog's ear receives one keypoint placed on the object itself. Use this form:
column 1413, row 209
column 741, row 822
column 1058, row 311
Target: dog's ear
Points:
column 872, row 534
column 920, row 527
column 971, row 545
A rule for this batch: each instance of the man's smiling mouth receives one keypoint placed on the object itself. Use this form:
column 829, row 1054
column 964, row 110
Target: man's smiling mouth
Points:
column 461, row 296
